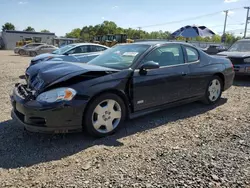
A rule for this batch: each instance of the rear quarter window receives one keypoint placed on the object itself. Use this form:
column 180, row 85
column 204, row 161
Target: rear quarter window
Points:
column 192, row 54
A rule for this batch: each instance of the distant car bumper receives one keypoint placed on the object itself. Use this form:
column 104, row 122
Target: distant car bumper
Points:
column 242, row 69
column 55, row 118
column 16, row 51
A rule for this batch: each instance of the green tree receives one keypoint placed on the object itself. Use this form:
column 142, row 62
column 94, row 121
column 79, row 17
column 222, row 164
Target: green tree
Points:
column 231, row 38
column 108, row 27
column 8, row 26
column 216, row 38
column 75, row 33
column 45, row 31
column 29, row 28
column 85, row 33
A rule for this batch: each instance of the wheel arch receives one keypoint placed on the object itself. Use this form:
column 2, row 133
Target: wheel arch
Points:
column 117, row 92
column 222, row 77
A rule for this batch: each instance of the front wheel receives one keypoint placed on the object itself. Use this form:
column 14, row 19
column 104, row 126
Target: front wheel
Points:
column 21, row 52
column 104, row 115
column 213, row 91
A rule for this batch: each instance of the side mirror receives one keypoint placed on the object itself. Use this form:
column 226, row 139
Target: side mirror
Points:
column 149, row 65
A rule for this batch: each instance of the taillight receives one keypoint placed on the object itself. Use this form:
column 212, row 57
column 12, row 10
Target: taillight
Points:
column 231, row 64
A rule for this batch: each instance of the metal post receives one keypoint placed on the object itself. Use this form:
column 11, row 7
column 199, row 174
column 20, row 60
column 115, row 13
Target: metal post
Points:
column 139, row 32
column 225, row 23
column 247, row 18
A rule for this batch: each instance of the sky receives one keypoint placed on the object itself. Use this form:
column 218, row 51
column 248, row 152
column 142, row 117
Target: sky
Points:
column 61, row 16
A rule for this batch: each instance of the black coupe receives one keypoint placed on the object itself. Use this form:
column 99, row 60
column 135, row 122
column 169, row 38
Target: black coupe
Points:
column 126, row 81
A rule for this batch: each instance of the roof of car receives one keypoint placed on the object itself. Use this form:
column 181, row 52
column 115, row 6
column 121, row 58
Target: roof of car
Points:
column 244, row 40
column 87, row 43
column 152, row 43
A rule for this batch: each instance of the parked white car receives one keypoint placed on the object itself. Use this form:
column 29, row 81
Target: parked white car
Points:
column 71, row 51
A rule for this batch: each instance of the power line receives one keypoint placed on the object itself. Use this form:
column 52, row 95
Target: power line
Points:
column 227, row 25
column 187, row 19
column 235, row 21
column 179, row 21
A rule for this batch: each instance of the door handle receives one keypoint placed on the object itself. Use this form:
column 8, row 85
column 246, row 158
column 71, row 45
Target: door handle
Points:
column 184, row 74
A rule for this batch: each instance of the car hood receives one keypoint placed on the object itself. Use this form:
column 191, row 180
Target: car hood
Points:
column 54, row 72
column 44, row 56
column 235, row 54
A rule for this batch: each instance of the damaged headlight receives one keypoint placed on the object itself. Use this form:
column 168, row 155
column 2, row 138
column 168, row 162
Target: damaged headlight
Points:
column 56, row 95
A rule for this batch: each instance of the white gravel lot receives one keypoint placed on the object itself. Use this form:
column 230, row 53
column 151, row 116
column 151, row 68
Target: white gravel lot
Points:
column 189, row 146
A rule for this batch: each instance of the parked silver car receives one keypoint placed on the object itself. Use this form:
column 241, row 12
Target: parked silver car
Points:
column 22, row 50
column 42, row 49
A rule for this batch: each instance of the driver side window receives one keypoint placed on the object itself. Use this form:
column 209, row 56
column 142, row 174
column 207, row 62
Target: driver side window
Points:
column 79, row 49
column 166, row 55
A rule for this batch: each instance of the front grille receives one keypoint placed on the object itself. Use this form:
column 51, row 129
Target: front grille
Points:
column 38, row 121
column 236, row 61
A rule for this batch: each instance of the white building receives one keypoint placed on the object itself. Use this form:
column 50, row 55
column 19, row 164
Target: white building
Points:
column 9, row 38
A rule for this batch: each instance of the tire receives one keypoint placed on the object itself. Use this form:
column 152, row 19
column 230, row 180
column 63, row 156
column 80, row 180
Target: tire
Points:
column 213, row 90
column 33, row 54
column 21, row 52
column 98, row 120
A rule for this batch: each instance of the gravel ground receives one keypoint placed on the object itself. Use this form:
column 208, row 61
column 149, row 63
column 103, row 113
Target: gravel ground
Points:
column 189, row 146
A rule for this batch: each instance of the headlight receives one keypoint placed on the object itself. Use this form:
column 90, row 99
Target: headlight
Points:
column 56, row 95
column 247, row 60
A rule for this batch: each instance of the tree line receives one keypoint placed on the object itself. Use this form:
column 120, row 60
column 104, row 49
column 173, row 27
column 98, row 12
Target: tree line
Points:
column 87, row 33
column 10, row 26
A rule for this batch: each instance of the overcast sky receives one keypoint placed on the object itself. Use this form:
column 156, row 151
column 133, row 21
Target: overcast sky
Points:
column 60, row 16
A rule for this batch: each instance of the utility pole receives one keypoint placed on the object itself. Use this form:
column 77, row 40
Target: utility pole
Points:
column 139, row 32
column 225, row 23
column 223, row 37
column 247, row 18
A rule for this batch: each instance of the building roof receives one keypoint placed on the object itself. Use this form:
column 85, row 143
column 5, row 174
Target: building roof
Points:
column 64, row 38
column 28, row 32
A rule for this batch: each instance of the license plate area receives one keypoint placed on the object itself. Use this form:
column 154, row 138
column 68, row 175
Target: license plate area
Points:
column 247, row 69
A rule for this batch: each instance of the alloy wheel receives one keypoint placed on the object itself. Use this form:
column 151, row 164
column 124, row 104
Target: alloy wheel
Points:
column 214, row 90
column 106, row 116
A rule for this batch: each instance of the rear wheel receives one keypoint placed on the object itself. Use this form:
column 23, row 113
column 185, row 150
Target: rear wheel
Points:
column 104, row 115
column 21, row 52
column 213, row 91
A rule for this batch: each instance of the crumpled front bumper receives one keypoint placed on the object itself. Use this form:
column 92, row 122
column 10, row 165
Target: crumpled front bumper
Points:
column 62, row 117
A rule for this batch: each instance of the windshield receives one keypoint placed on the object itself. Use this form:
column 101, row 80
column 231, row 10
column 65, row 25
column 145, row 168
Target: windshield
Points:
column 242, row 46
column 64, row 49
column 120, row 56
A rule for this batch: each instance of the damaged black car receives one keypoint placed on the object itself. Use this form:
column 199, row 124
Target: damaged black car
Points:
column 126, row 81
